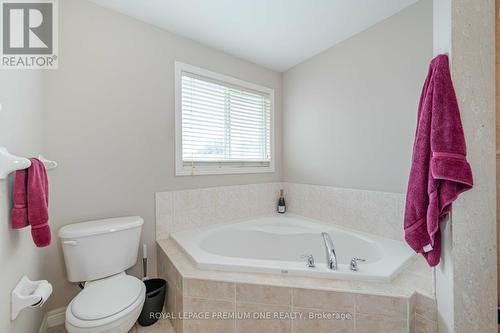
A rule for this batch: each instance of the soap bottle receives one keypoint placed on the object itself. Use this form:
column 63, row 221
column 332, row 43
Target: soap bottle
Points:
column 281, row 203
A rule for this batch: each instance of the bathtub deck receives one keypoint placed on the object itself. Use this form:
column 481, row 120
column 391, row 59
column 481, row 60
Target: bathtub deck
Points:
column 415, row 278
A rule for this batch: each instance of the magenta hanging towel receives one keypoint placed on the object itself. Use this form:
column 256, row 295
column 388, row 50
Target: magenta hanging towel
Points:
column 31, row 200
column 439, row 170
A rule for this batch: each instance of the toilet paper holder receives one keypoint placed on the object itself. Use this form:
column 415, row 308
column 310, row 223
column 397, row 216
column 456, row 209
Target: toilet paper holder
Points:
column 29, row 293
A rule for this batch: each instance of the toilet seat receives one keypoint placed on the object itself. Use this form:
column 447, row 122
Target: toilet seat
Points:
column 106, row 297
column 106, row 304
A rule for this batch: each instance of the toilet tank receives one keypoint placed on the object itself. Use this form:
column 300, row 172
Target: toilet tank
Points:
column 97, row 249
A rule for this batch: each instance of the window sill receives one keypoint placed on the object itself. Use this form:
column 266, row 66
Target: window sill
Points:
column 224, row 170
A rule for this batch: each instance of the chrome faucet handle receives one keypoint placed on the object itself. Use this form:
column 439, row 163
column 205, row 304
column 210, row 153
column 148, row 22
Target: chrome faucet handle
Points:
column 354, row 263
column 310, row 260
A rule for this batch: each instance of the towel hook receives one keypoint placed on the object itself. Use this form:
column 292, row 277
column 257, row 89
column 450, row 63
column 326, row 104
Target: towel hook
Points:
column 10, row 163
column 48, row 163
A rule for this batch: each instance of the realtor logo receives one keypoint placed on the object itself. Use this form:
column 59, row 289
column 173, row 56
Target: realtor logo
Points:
column 29, row 34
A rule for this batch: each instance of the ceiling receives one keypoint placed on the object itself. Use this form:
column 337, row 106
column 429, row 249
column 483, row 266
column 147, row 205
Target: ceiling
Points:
column 276, row 34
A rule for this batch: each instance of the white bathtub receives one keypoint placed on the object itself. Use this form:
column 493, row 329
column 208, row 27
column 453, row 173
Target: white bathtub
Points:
column 275, row 244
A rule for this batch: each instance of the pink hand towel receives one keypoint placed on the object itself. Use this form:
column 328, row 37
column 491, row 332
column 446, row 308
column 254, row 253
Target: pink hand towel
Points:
column 19, row 212
column 31, row 202
column 440, row 171
column 38, row 203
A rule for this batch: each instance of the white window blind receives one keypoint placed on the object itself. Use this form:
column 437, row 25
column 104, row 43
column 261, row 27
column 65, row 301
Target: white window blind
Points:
column 224, row 124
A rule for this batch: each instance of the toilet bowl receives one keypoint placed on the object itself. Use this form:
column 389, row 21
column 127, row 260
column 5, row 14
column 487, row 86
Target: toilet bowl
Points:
column 110, row 305
column 99, row 252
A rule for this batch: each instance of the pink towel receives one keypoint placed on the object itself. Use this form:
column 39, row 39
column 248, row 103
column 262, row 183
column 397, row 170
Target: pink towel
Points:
column 439, row 171
column 19, row 213
column 31, row 190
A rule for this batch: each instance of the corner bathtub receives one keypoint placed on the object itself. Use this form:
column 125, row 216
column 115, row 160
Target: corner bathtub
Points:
column 277, row 244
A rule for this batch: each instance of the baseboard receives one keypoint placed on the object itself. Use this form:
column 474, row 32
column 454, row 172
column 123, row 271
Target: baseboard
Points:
column 56, row 317
column 43, row 325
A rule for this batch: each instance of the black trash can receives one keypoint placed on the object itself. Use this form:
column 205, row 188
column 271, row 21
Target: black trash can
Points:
column 156, row 290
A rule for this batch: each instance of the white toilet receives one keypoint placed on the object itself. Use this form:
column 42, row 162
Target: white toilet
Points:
column 98, row 253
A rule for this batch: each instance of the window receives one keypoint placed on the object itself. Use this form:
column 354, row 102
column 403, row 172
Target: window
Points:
column 223, row 125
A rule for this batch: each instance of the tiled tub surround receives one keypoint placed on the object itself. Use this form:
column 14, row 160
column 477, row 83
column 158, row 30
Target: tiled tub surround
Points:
column 188, row 209
column 379, row 213
column 403, row 305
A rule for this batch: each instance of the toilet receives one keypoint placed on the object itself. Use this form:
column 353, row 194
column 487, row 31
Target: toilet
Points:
column 96, row 254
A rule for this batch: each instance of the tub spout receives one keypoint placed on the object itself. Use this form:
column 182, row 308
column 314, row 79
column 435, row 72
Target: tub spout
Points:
column 331, row 257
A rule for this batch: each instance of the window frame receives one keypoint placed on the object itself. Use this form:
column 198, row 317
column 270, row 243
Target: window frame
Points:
column 217, row 168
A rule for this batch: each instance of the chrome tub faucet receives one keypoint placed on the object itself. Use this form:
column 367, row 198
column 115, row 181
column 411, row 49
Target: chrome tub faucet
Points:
column 331, row 257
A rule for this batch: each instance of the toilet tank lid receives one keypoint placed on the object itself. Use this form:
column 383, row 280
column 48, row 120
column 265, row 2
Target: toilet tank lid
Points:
column 96, row 227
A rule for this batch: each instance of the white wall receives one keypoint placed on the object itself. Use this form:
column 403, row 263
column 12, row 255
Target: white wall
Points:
column 21, row 132
column 110, row 121
column 350, row 112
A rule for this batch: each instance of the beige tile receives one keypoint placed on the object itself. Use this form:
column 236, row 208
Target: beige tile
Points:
column 275, row 323
column 411, row 312
column 212, row 324
column 395, row 307
column 164, row 214
column 178, row 310
column 379, row 324
column 411, row 324
column 425, row 307
column 161, row 259
column 187, row 209
column 57, row 329
column 205, row 206
column 161, row 326
column 136, row 329
column 167, row 271
column 325, row 300
column 423, row 325
column 179, row 301
column 187, row 199
column 209, row 289
column 498, row 131
column 170, row 300
column 314, row 321
column 378, row 216
column 173, row 276
column 255, row 293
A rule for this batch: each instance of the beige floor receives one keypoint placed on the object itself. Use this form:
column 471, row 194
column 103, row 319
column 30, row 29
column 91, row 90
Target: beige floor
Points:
column 162, row 326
